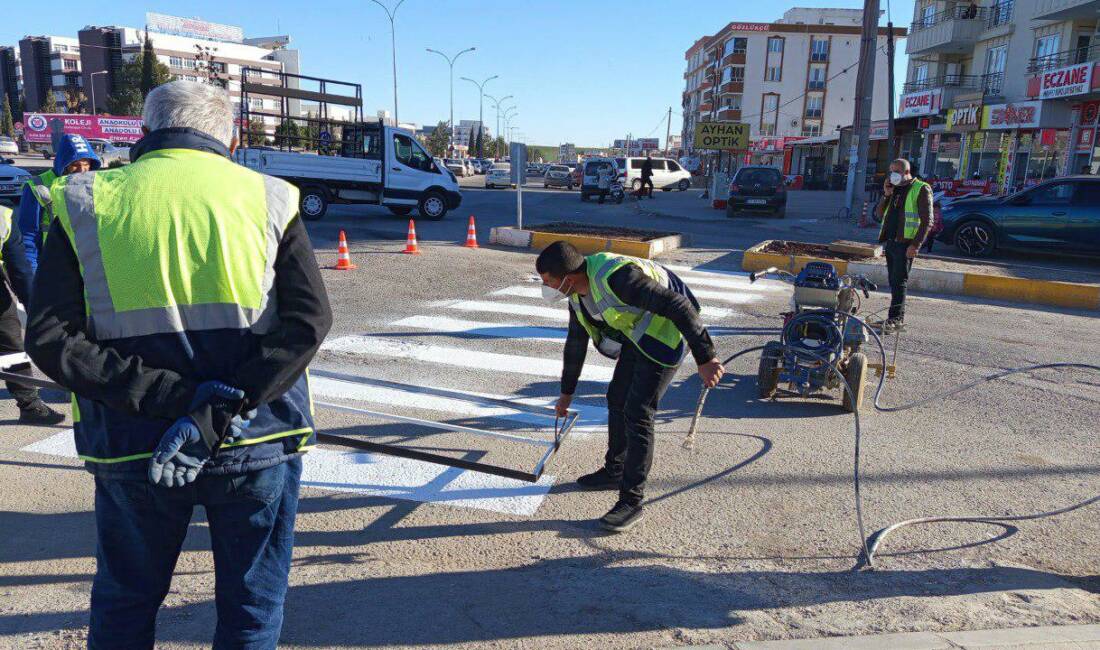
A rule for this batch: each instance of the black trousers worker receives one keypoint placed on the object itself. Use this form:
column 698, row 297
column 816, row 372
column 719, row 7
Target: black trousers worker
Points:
column 900, row 249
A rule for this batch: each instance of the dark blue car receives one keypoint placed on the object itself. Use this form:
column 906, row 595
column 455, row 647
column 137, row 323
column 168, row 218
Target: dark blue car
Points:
column 1062, row 214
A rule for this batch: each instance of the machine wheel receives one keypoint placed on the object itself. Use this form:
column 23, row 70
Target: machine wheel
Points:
column 855, row 374
column 432, row 206
column 683, row 185
column 313, row 203
column 975, row 238
column 400, row 210
column 767, row 377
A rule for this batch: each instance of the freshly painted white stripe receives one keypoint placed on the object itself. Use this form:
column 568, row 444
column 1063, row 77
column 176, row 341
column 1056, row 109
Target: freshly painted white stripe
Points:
column 736, row 297
column 519, row 291
column 460, row 357
column 710, row 313
column 515, row 309
column 725, row 280
column 699, row 271
column 446, row 325
column 386, row 476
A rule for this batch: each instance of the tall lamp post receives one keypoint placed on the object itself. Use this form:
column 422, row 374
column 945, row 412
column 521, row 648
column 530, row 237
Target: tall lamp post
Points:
column 496, row 103
column 451, row 63
column 393, row 50
column 481, row 104
column 92, row 88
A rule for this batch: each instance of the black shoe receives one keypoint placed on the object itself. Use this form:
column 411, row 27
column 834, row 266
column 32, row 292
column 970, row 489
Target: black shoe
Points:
column 622, row 517
column 601, row 479
column 37, row 412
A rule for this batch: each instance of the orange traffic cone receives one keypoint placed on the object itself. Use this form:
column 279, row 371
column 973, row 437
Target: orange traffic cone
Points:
column 410, row 243
column 471, row 234
column 343, row 256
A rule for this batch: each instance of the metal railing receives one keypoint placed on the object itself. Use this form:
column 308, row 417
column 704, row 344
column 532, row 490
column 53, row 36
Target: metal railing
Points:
column 993, row 83
column 1063, row 59
column 944, row 81
column 999, row 13
column 958, row 12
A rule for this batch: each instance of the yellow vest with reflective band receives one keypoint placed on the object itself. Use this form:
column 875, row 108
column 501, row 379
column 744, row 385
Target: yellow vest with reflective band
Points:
column 5, row 228
column 912, row 215
column 181, row 242
column 655, row 336
column 45, row 215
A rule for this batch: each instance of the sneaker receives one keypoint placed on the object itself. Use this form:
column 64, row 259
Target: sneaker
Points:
column 601, row 479
column 895, row 324
column 622, row 517
column 38, row 413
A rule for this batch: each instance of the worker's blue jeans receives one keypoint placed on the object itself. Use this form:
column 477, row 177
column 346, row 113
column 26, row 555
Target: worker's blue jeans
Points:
column 140, row 529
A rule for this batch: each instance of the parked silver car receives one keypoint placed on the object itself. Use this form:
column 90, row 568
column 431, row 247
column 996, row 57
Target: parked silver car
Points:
column 558, row 176
column 107, row 152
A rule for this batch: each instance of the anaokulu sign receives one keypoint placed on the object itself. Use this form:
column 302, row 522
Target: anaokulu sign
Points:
column 721, row 135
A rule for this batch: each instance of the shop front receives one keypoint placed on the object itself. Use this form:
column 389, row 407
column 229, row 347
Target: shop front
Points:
column 1020, row 144
column 953, row 151
column 916, row 123
column 815, row 160
column 1075, row 90
column 1085, row 158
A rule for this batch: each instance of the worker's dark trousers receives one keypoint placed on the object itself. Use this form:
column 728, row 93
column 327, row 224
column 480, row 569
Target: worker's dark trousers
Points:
column 11, row 340
column 140, row 529
column 897, row 271
column 636, row 386
column 646, row 182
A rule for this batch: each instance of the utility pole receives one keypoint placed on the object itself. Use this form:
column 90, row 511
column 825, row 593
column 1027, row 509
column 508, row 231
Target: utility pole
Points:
column 668, row 130
column 891, row 147
column 451, row 64
column 393, row 51
column 861, row 125
column 480, row 105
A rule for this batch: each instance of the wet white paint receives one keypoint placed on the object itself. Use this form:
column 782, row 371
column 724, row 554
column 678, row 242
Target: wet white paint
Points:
column 515, row 309
column 445, row 325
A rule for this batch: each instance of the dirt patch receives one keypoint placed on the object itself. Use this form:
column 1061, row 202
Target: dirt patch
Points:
column 781, row 247
column 611, row 232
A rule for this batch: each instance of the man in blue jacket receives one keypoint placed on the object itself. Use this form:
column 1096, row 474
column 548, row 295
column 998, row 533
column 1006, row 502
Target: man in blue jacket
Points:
column 74, row 155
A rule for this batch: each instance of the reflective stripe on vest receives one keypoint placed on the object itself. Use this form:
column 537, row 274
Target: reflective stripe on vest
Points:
column 655, row 336
column 134, row 292
column 5, row 228
column 911, row 211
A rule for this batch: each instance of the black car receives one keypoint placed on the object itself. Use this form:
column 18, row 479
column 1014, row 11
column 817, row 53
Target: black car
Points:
column 757, row 189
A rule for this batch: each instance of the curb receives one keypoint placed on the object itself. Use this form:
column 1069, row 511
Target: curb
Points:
column 586, row 244
column 979, row 285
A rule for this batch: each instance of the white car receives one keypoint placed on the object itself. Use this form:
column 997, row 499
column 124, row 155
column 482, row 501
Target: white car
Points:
column 108, row 152
column 500, row 175
column 8, row 146
column 667, row 174
column 457, row 167
column 11, row 180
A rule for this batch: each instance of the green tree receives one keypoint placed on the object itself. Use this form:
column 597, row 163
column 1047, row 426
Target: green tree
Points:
column 7, row 124
column 286, row 134
column 50, row 104
column 148, row 65
column 255, row 133
column 75, row 100
column 500, row 147
column 127, row 98
column 479, row 144
column 310, row 132
column 439, row 140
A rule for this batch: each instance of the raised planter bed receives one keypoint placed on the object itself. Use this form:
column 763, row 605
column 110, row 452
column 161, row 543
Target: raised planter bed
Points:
column 590, row 238
column 792, row 256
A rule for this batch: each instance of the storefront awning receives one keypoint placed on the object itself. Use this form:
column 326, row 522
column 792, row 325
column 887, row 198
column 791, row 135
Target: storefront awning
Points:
column 821, row 139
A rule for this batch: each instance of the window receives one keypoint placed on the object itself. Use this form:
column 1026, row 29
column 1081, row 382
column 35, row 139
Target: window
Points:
column 920, row 75
column 773, row 73
column 1047, row 45
column 727, row 75
column 1055, row 194
column 731, row 102
column 995, row 59
column 738, row 74
column 69, row 64
column 769, row 114
column 811, row 130
column 928, row 15
column 658, row 164
column 775, row 44
column 817, row 77
column 735, row 46
column 773, row 70
column 819, row 49
column 673, row 167
column 175, row 62
column 408, row 153
column 814, row 104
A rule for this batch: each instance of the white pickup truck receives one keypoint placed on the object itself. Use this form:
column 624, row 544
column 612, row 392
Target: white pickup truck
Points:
column 376, row 165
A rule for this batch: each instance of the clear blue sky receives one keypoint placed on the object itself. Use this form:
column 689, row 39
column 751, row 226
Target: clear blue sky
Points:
column 583, row 71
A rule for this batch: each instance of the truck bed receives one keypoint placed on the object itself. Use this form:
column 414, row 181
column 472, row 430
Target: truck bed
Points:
column 292, row 165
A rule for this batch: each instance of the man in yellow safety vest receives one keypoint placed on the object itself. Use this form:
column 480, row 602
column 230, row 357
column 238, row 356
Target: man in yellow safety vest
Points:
column 906, row 212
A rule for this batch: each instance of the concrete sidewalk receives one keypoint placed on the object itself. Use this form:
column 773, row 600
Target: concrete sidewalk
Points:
column 1065, row 637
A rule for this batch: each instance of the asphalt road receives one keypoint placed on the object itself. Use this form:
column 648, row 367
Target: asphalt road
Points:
column 750, row 536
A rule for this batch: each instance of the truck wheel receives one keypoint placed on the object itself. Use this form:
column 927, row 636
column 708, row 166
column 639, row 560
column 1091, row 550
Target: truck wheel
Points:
column 432, row 206
column 855, row 373
column 313, row 203
column 767, row 377
column 401, row 210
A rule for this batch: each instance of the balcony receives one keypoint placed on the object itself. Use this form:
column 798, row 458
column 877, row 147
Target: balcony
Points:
column 706, row 108
column 954, row 31
column 1066, row 9
column 958, row 84
column 706, row 85
column 732, row 87
column 729, row 115
column 734, row 58
column 1063, row 59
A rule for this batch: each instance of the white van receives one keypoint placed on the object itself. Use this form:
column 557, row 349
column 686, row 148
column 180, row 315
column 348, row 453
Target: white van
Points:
column 376, row 165
column 667, row 174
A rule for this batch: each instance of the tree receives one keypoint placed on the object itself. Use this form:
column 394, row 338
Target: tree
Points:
column 439, row 140
column 75, row 101
column 310, row 132
column 148, row 65
column 286, row 134
column 255, row 133
column 7, row 124
column 479, row 144
column 500, row 147
column 50, row 103
column 127, row 98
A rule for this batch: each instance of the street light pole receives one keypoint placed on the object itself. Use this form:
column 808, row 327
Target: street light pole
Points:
column 92, row 89
column 393, row 51
column 451, row 63
column 496, row 103
column 481, row 104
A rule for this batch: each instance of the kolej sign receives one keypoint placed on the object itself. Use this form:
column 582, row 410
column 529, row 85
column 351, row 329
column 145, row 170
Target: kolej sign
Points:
column 1021, row 115
column 925, row 102
column 1066, row 82
column 119, row 128
column 721, row 135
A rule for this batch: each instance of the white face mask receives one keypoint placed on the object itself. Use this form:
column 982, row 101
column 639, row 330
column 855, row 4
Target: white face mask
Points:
column 550, row 294
column 896, row 178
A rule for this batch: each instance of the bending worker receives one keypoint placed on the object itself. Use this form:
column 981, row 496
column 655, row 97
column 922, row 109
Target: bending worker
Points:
column 17, row 275
column 906, row 211
column 643, row 315
column 74, row 155
column 172, row 295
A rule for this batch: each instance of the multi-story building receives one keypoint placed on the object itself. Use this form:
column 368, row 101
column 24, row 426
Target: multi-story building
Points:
column 466, row 135
column 996, row 91
column 11, row 76
column 50, row 64
column 791, row 79
column 567, row 152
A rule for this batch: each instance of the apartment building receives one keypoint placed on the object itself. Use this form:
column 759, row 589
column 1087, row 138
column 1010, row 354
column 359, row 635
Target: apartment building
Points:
column 789, row 80
column 466, row 135
column 11, row 76
column 50, row 64
column 1002, row 91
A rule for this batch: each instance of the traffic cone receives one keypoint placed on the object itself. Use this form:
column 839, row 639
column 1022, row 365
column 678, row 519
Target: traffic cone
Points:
column 863, row 222
column 343, row 256
column 410, row 243
column 471, row 234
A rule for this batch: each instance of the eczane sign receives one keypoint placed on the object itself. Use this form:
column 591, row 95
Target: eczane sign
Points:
column 1066, row 82
column 925, row 102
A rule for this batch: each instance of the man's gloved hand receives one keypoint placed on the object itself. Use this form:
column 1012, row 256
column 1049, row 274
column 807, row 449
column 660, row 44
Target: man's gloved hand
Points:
column 209, row 391
column 237, row 426
column 180, row 455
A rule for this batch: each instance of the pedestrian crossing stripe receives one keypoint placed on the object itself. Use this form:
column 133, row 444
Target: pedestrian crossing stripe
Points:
column 445, row 325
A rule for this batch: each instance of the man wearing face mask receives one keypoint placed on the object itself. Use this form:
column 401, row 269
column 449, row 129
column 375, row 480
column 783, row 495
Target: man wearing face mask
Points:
column 644, row 316
column 906, row 212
